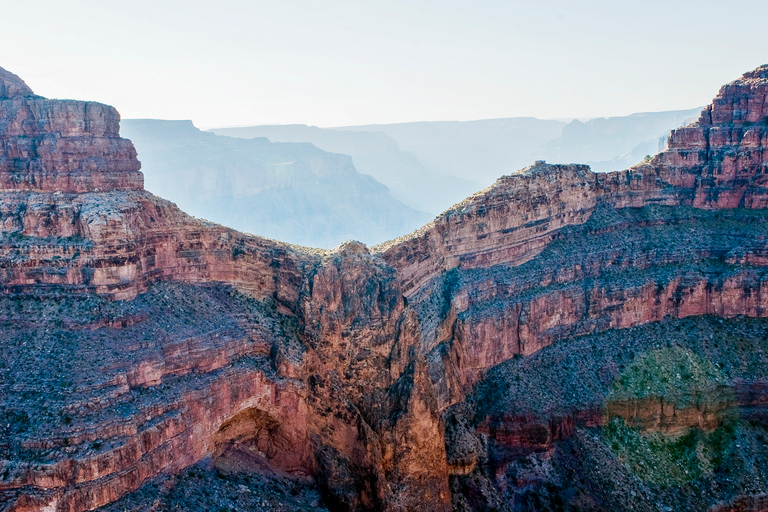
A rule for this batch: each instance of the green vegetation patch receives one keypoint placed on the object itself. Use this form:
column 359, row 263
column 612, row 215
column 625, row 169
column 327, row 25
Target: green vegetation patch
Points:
column 674, row 373
column 671, row 416
column 667, row 460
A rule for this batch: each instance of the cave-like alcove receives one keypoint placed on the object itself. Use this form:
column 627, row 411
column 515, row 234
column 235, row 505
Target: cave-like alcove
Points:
column 253, row 441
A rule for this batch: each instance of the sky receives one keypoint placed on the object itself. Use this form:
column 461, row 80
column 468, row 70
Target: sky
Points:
column 344, row 62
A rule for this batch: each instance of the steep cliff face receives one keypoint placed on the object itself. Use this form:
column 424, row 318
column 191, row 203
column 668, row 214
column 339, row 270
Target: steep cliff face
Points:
column 61, row 146
column 289, row 380
column 74, row 213
column 722, row 157
column 369, row 385
column 718, row 162
column 555, row 253
column 12, row 86
column 485, row 254
column 504, row 356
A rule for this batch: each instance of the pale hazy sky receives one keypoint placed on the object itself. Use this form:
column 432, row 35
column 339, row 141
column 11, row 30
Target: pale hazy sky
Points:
column 332, row 63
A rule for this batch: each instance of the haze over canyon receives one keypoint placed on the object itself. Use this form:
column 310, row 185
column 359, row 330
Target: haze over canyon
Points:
column 391, row 180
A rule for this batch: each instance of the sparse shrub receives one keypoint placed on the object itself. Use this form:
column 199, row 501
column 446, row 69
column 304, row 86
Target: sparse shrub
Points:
column 18, row 420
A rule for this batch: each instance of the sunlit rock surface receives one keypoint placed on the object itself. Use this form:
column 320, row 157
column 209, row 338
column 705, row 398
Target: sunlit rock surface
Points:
column 505, row 356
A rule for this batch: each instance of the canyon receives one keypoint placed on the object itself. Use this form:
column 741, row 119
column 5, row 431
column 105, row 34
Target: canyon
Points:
column 295, row 192
column 503, row 357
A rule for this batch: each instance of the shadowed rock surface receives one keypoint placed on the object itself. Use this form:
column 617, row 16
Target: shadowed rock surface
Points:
column 563, row 340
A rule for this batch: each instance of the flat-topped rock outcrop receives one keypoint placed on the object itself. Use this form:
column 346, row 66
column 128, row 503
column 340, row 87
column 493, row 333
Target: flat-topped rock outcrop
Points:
column 61, row 146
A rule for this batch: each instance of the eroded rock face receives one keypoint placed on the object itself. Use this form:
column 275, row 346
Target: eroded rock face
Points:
column 508, row 226
column 718, row 162
column 61, row 146
column 11, row 86
column 370, row 386
column 352, row 368
column 722, row 157
column 758, row 503
column 308, row 400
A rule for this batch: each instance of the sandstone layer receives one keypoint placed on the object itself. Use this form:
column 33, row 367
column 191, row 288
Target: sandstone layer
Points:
column 78, row 224
column 61, row 146
column 470, row 365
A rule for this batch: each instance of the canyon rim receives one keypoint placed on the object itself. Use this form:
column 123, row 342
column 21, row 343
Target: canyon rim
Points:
column 563, row 340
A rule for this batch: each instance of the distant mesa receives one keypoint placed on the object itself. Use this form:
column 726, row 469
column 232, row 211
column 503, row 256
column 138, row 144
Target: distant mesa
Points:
column 295, row 192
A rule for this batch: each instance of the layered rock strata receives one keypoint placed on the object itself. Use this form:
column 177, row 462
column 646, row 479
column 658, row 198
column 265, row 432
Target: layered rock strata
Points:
column 577, row 423
column 61, row 146
column 476, row 254
column 718, row 162
column 76, row 222
column 335, row 367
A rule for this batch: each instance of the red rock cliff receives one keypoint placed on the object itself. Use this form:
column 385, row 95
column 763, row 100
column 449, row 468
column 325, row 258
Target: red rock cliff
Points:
column 355, row 353
column 351, row 408
column 718, row 162
column 61, row 146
